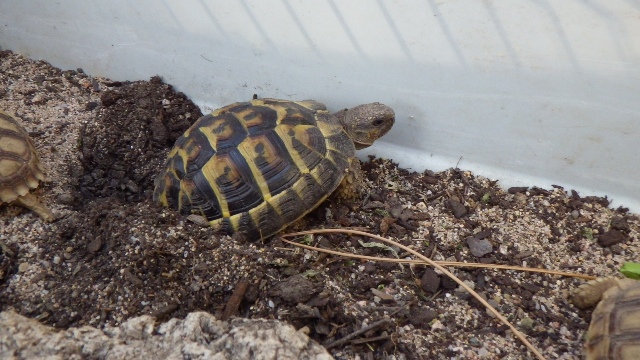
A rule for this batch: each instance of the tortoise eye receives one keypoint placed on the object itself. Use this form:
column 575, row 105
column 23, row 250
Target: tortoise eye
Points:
column 378, row 122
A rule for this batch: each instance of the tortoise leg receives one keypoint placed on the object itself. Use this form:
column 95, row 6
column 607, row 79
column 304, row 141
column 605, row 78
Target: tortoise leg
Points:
column 351, row 186
column 31, row 202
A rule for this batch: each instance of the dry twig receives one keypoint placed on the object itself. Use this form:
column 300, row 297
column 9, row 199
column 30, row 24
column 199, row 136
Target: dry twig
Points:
column 443, row 263
column 515, row 331
column 354, row 334
column 231, row 308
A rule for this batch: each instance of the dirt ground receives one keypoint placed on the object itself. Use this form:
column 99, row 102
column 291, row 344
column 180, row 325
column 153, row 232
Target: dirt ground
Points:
column 113, row 254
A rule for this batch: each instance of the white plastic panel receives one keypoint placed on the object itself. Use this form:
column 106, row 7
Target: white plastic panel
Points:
column 529, row 92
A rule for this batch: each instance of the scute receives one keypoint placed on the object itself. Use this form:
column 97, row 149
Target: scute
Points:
column 20, row 168
column 271, row 162
column 255, row 167
column 9, row 167
column 614, row 332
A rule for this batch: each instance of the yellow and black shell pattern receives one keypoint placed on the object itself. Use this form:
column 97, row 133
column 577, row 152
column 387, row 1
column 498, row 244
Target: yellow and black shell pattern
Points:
column 20, row 168
column 255, row 167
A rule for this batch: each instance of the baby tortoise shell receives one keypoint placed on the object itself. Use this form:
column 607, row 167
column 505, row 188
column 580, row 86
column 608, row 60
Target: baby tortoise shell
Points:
column 256, row 167
column 614, row 332
column 20, row 168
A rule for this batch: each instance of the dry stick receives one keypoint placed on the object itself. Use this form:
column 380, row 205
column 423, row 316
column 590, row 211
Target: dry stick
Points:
column 366, row 340
column 233, row 304
column 443, row 263
column 437, row 266
column 358, row 333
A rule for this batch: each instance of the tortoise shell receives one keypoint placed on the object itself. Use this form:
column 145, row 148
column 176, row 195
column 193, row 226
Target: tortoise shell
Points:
column 614, row 332
column 20, row 168
column 255, row 167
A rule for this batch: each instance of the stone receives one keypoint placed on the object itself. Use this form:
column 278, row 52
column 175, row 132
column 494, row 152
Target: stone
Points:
column 611, row 237
column 457, row 209
column 295, row 289
column 199, row 336
column 430, row 281
column 479, row 247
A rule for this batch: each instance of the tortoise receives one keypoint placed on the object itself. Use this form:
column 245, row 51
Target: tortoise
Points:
column 253, row 168
column 20, row 168
column 614, row 332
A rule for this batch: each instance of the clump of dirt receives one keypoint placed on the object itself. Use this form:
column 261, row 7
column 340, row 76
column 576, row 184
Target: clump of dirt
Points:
column 124, row 147
column 113, row 254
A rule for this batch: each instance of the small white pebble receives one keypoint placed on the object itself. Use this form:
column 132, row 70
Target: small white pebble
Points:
column 437, row 325
column 469, row 283
column 483, row 352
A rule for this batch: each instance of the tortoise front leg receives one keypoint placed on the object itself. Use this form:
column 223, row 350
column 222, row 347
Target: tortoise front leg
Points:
column 351, row 186
column 31, row 202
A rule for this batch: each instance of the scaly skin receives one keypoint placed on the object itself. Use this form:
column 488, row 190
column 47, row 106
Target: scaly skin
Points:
column 31, row 202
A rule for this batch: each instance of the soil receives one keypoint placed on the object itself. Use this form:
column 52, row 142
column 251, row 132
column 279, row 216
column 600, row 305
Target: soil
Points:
column 113, row 254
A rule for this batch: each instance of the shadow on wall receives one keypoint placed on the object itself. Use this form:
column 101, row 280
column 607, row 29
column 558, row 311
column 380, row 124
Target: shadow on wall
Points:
column 545, row 89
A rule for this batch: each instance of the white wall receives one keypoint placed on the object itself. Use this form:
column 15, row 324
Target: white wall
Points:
column 529, row 92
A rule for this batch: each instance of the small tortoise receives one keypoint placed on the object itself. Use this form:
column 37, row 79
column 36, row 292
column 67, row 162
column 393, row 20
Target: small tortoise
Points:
column 614, row 332
column 20, row 168
column 256, row 167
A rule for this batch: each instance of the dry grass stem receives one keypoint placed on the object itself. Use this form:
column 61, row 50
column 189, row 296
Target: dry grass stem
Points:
column 499, row 316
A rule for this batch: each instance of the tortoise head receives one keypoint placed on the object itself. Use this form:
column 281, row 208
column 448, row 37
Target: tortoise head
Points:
column 366, row 123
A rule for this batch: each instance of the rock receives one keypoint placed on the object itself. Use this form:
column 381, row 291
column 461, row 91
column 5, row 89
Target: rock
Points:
column 479, row 247
column 66, row 198
column 448, row 283
column 457, row 208
column 421, row 317
column 515, row 190
column 430, row 281
column 199, row 336
column 620, row 223
column 483, row 234
column 520, row 199
column 369, row 268
column 527, row 324
column 395, row 207
column 294, row 289
column 437, row 325
column 469, row 283
column 382, row 295
column 611, row 237
column 94, row 245
column 429, row 180
column 109, row 98
column 91, row 105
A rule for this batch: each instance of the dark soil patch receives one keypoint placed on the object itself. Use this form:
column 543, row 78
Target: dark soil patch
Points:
column 124, row 147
